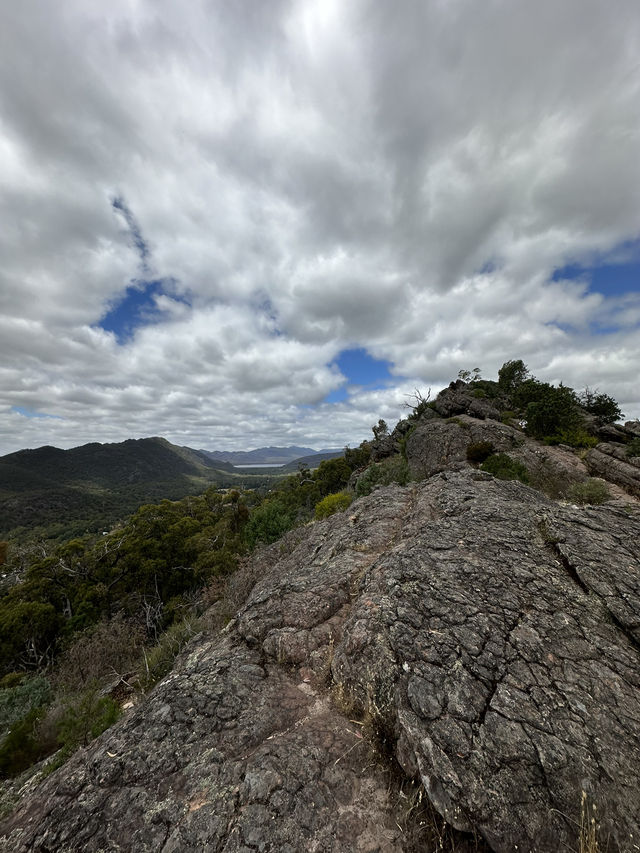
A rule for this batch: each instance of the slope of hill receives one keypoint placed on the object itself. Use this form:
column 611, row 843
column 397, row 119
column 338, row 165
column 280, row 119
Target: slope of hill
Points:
column 311, row 461
column 90, row 487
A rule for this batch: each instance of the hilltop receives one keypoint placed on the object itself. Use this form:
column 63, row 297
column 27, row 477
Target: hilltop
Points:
column 450, row 664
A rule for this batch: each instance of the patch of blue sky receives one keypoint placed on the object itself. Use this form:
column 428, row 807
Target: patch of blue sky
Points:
column 614, row 274
column 488, row 267
column 361, row 370
column 337, row 396
column 30, row 413
column 138, row 307
column 567, row 328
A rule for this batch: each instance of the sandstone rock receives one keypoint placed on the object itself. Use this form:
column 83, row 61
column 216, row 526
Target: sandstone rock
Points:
column 632, row 428
column 610, row 461
column 488, row 636
column 442, row 445
column 552, row 469
column 384, row 446
column 458, row 399
column 436, row 445
column 610, row 432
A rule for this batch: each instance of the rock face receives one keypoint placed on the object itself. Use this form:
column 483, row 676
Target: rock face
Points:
column 459, row 399
column 611, row 462
column 487, row 635
column 436, row 445
column 439, row 445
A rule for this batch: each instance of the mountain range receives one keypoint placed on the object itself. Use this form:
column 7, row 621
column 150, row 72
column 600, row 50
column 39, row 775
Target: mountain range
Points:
column 266, row 455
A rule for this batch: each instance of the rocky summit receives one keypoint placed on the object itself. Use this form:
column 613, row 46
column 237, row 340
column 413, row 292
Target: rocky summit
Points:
column 450, row 665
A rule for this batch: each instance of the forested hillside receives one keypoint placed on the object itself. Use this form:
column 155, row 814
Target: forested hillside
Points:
column 61, row 493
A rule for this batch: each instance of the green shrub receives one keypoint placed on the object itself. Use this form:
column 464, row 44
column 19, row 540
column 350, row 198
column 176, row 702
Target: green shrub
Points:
column 21, row 747
column 478, row 451
column 633, row 448
column 604, row 407
column 512, row 374
column 508, row 416
column 19, row 701
column 337, row 502
column 549, row 410
column 505, row 468
column 485, row 388
column 460, row 423
column 357, row 457
column 394, row 469
column 576, row 437
column 268, row 522
column 27, row 630
column 592, row 491
column 84, row 717
column 332, row 475
column 12, row 679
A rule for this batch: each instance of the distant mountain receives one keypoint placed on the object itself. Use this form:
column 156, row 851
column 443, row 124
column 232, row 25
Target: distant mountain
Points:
column 92, row 486
column 311, row 461
column 261, row 456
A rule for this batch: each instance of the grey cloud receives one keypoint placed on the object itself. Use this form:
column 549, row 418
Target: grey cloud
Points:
column 403, row 179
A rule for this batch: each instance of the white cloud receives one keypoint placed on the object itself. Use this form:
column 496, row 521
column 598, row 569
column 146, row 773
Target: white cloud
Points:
column 311, row 177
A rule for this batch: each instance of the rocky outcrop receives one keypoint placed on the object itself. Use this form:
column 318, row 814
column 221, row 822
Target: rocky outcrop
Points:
column 437, row 445
column 485, row 636
column 440, row 445
column 459, row 398
column 610, row 461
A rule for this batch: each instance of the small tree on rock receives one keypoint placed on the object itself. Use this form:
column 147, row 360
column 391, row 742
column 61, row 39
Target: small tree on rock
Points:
column 512, row 374
column 381, row 429
column 604, row 407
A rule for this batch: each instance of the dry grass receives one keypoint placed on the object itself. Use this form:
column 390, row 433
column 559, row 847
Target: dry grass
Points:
column 588, row 840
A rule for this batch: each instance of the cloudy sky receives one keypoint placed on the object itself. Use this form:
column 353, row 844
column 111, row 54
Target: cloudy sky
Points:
column 235, row 223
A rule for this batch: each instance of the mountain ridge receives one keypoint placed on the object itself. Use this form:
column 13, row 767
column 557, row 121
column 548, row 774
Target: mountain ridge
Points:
column 358, row 648
column 106, row 481
column 96, row 484
column 264, row 455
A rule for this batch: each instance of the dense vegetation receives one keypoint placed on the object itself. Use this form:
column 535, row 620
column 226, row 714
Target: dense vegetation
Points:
column 552, row 413
column 59, row 494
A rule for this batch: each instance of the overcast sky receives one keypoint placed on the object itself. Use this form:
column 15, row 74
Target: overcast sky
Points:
column 239, row 223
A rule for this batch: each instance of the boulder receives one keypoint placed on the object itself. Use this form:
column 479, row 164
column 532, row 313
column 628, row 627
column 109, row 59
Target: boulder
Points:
column 632, row 428
column 552, row 468
column 436, row 445
column 610, row 432
column 459, row 399
column 611, row 462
